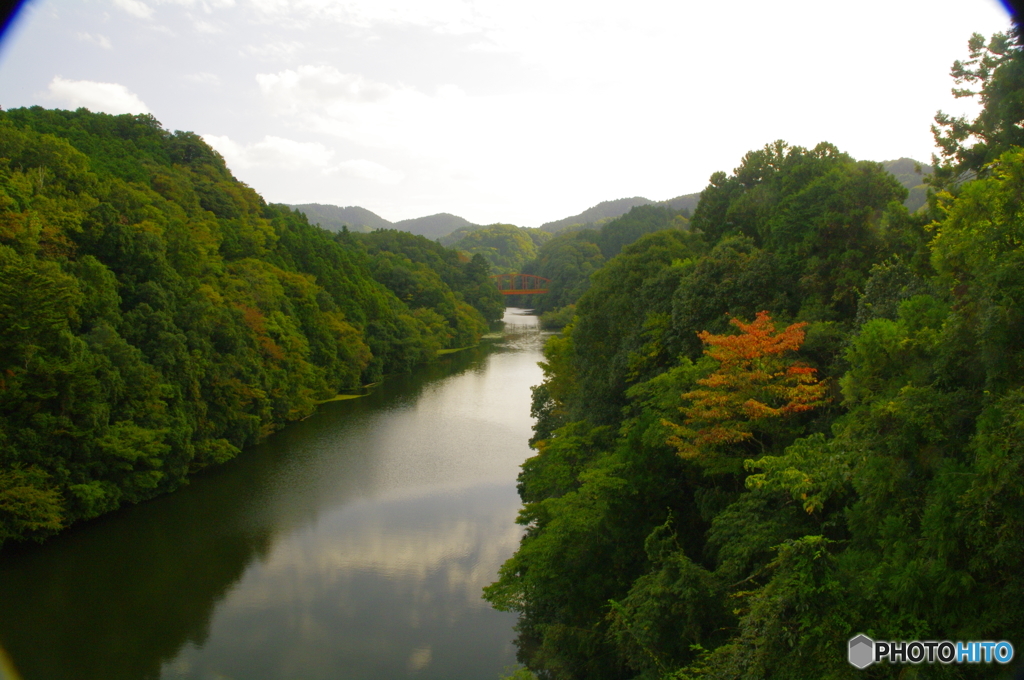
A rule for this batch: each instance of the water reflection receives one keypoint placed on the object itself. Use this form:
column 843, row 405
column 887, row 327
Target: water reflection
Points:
column 396, row 587
column 351, row 545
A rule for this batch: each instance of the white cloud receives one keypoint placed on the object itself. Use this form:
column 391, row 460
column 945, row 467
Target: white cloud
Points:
column 97, row 39
column 364, row 169
column 276, row 152
column 600, row 99
column 447, row 16
column 207, row 27
column 321, row 86
column 274, row 50
column 207, row 6
column 324, row 100
column 271, row 6
column 106, row 97
column 445, row 133
column 141, row 10
column 203, row 78
column 136, row 8
column 231, row 150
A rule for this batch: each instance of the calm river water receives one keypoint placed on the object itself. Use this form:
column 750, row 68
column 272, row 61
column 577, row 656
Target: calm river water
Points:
column 353, row 544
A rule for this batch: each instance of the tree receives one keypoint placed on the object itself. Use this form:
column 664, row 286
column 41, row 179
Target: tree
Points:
column 157, row 316
column 753, row 385
column 994, row 72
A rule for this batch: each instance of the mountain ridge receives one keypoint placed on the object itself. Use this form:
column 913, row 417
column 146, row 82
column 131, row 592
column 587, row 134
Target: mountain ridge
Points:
column 909, row 172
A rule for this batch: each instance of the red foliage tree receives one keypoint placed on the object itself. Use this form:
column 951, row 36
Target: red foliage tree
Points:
column 754, row 384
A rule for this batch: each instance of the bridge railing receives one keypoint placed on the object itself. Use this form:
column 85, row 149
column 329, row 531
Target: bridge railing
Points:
column 521, row 284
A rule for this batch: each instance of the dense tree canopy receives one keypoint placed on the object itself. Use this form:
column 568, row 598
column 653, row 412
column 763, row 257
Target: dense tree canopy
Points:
column 994, row 72
column 799, row 421
column 506, row 246
column 571, row 257
column 156, row 315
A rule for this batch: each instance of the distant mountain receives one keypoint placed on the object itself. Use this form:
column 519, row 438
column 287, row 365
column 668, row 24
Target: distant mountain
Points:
column 911, row 174
column 333, row 217
column 454, row 237
column 604, row 210
column 684, row 202
column 433, row 226
column 908, row 172
column 506, row 246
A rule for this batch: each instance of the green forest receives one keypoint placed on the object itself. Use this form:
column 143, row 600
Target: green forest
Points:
column 569, row 258
column 788, row 416
column 506, row 246
column 157, row 316
column 794, row 418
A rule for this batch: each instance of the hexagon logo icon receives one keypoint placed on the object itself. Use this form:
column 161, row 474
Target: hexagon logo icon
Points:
column 862, row 651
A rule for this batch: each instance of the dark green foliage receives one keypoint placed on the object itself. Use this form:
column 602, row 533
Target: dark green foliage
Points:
column 557, row 319
column 892, row 511
column 602, row 212
column 570, row 258
column 685, row 204
column 506, row 246
column 620, row 320
column 567, row 260
column 820, row 213
column 994, row 73
column 735, row 279
column 156, row 316
column 619, row 233
column 469, row 281
column 114, row 144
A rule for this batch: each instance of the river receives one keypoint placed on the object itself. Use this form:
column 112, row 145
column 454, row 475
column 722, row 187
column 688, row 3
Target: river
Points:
column 351, row 545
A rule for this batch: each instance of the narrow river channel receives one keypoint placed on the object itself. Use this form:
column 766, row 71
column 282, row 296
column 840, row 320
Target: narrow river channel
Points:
column 351, row 545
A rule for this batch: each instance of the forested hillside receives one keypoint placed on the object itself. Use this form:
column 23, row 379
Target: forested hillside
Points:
column 426, row 274
column 569, row 258
column 434, row 226
column 506, row 246
column 798, row 420
column 157, row 316
column 354, row 218
column 605, row 210
column 686, row 203
column 913, row 176
column 336, row 218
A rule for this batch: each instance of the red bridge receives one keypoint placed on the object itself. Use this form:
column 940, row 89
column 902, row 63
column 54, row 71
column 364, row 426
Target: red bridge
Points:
column 521, row 284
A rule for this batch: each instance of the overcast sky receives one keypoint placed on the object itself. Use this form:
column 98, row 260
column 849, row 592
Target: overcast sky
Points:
column 520, row 111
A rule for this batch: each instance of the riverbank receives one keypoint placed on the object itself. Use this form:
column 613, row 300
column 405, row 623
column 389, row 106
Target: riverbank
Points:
column 350, row 545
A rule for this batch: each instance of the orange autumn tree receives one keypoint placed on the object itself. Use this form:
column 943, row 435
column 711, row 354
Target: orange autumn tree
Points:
column 756, row 384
